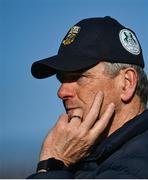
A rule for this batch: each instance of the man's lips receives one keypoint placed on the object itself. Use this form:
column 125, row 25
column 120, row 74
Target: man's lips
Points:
column 74, row 111
column 71, row 108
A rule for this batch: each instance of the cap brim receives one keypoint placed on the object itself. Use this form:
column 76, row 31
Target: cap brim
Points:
column 50, row 66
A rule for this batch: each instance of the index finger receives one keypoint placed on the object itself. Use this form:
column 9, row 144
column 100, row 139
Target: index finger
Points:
column 100, row 125
column 94, row 111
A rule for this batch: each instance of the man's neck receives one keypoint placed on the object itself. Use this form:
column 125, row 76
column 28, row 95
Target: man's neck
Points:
column 125, row 114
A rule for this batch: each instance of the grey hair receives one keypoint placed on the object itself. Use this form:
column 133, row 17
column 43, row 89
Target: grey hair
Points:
column 113, row 70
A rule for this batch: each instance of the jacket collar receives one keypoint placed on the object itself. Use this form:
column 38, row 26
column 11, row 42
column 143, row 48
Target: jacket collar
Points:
column 135, row 126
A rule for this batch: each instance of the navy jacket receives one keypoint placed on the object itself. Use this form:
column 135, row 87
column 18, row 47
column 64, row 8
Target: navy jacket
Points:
column 123, row 155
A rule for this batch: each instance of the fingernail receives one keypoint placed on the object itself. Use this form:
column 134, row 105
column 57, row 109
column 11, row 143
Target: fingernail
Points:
column 112, row 104
column 100, row 94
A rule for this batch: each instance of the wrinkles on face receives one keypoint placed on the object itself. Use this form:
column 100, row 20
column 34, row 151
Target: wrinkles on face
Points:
column 85, row 86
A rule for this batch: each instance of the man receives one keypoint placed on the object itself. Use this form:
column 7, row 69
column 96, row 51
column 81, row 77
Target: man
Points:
column 104, row 89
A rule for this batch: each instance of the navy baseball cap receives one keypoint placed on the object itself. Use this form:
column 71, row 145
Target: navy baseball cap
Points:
column 89, row 42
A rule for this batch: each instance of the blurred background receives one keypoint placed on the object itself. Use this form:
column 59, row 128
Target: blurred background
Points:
column 31, row 30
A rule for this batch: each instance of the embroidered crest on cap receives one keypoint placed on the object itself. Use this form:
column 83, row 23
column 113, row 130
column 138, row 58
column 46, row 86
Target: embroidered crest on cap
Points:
column 71, row 35
column 129, row 41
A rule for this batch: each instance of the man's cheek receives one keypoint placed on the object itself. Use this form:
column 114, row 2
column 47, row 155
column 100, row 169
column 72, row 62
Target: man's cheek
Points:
column 86, row 110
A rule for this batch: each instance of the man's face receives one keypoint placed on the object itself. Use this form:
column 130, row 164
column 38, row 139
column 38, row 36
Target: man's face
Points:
column 78, row 89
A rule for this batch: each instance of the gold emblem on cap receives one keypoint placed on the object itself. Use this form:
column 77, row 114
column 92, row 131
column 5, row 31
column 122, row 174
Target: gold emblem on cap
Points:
column 71, row 35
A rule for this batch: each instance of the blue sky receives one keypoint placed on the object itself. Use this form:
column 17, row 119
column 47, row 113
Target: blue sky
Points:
column 31, row 30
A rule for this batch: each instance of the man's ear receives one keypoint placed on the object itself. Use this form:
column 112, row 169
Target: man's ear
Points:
column 130, row 78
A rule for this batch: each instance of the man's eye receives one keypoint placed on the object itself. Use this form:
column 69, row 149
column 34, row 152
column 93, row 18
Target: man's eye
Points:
column 82, row 79
column 65, row 78
column 75, row 78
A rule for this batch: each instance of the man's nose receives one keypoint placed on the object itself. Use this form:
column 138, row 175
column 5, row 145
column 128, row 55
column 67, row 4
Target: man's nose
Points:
column 66, row 90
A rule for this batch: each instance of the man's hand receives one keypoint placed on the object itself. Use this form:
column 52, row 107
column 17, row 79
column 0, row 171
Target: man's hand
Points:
column 69, row 141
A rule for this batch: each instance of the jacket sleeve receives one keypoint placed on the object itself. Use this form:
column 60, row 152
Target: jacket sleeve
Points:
column 58, row 174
